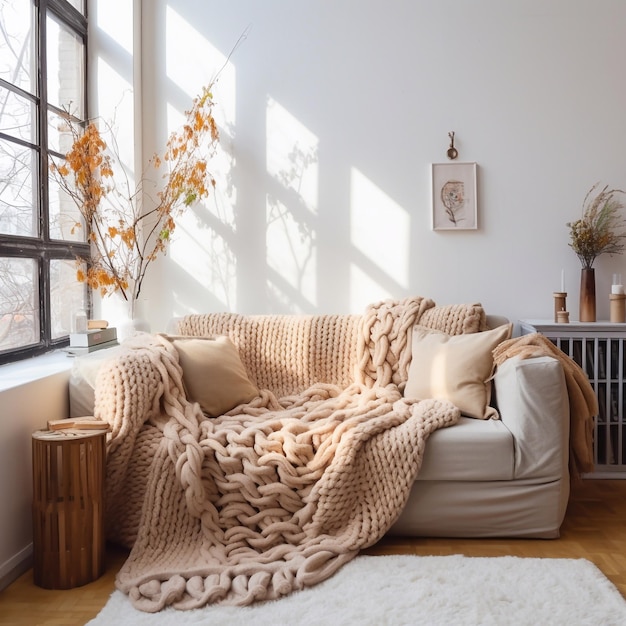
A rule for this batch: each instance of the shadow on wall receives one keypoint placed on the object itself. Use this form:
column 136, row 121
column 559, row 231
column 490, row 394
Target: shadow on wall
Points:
column 303, row 219
column 260, row 247
column 331, row 114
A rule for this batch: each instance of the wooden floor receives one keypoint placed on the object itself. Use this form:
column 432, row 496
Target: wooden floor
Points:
column 594, row 529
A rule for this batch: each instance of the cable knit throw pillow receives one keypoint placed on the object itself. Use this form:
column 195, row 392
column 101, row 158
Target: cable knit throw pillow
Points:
column 455, row 368
column 213, row 373
column 455, row 319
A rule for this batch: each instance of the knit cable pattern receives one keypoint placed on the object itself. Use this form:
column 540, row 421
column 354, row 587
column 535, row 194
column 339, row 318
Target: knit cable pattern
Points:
column 286, row 353
column 455, row 319
column 279, row 493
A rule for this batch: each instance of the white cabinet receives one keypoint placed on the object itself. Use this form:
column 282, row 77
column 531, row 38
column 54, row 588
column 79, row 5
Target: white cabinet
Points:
column 599, row 348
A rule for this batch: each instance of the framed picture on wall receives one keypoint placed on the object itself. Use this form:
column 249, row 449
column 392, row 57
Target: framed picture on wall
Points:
column 454, row 202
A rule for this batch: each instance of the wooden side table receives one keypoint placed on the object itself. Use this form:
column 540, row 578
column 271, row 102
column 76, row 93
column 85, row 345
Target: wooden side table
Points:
column 68, row 507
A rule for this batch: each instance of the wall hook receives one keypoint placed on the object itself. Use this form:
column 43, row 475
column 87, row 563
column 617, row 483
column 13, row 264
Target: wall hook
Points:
column 452, row 152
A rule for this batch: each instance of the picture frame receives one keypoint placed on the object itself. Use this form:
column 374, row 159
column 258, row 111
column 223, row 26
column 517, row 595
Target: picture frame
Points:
column 454, row 196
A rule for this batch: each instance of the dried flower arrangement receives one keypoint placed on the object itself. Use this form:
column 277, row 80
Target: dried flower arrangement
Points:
column 126, row 238
column 601, row 228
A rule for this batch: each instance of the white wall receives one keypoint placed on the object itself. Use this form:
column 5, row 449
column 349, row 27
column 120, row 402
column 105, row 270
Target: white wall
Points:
column 367, row 91
column 24, row 408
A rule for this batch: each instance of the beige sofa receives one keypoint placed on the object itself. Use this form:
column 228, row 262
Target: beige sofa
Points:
column 504, row 477
column 499, row 478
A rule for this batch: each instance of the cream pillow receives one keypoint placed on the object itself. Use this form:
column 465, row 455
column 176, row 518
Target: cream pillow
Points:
column 213, row 373
column 455, row 368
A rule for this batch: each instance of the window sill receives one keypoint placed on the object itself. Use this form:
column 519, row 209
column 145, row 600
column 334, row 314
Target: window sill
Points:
column 23, row 372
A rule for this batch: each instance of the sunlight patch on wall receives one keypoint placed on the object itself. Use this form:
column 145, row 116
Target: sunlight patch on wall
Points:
column 202, row 242
column 195, row 63
column 202, row 262
column 202, row 246
column 291, row 253
column 291, row 210
column 364, row 289
column 380, row 231
column 115, row 106
column 292, row 154
column 115, row 18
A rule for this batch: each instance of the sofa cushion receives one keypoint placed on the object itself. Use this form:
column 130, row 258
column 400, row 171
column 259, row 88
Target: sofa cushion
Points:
column 213, row 373
column 468, row 451
column 455, row 368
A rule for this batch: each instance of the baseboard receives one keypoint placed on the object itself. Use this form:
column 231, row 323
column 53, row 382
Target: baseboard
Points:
column 13, row 568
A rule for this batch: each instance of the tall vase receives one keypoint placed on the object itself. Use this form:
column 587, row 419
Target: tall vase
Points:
column 587, row 312
column 133, row 322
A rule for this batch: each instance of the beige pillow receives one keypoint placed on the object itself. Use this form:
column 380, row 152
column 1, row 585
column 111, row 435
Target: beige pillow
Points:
column 455, row 368
column 213, row 373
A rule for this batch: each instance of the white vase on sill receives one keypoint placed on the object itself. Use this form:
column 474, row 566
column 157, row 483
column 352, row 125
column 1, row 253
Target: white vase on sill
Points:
column 133, row 321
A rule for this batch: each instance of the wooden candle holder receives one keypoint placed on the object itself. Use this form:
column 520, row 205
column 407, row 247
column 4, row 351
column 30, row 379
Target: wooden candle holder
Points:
column 618, row 307
column 559, row 303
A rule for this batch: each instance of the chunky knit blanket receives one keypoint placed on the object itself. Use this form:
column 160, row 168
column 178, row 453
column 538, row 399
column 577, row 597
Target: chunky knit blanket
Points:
column 277, row 494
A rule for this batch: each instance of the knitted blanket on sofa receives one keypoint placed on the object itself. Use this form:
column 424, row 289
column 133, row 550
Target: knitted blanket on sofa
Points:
column 277, row 494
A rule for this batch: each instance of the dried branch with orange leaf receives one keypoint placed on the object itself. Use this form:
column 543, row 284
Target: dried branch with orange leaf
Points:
column 125, row 235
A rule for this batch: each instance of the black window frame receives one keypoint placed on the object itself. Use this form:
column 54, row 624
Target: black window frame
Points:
column 42, row 248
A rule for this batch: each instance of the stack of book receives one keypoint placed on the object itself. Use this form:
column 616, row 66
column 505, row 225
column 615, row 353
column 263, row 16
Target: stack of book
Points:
column 92, row 340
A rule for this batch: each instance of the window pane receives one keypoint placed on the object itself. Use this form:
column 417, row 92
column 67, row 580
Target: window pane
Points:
column 60, row 139
column 66, row 222
column 40, row 40
column 65, row 68
column 16, row 44
column 67, row 296
column 19, row 303
column 18, row 202
column 17, row 116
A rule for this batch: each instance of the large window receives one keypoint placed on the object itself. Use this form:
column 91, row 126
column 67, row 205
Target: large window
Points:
column 43, row 52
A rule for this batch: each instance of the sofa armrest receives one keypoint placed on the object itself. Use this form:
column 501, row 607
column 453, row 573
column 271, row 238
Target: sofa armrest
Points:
column 531, row 397
column 82, row 381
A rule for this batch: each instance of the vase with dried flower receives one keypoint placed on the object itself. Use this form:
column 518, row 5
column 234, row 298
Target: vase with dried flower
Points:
column 600, row 230
column 127, row 233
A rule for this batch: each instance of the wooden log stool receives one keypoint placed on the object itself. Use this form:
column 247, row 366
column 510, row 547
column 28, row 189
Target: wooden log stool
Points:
column 68, row 507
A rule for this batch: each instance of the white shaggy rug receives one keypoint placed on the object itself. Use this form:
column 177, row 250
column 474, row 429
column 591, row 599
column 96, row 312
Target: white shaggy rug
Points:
column 429, row 590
